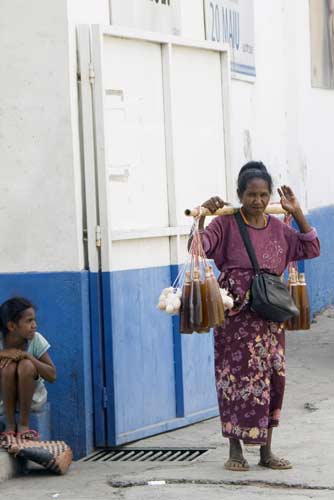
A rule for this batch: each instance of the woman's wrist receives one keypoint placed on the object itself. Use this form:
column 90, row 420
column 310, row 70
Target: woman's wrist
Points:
column 201, row 222
column 296, row 211
column 301, row 221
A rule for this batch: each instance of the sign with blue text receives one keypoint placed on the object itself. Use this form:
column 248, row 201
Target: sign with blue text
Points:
column 232, row 22
column 162, row 16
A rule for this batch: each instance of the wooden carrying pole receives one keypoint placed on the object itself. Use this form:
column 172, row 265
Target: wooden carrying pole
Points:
column 195, row 212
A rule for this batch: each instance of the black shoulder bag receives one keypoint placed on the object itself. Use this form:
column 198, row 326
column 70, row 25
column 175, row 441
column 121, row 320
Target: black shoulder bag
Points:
column 269, row 297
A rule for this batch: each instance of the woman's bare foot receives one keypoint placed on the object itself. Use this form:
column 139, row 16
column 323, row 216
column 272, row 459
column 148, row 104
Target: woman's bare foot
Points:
column 236, row 461
column 274, row 462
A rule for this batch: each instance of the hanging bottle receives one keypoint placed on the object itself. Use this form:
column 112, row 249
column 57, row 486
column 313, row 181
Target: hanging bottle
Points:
column 293, row 323
column 287, row 323
column 214, row 300
column 220, row 304
column 196, row 310
column 205, row 328
column 304, row 304
column 185, row 305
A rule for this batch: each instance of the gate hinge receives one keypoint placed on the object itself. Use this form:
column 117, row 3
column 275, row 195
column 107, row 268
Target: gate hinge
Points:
column 98, row 236
column 91, row 74
column 104, row 397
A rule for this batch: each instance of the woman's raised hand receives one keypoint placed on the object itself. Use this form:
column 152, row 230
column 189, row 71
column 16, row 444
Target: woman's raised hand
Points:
column 288, row 199
column 214, row 203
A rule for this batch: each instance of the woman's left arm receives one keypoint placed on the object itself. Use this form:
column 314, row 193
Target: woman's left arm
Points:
column 304, row 244
column 44, row 366
column 290, row 203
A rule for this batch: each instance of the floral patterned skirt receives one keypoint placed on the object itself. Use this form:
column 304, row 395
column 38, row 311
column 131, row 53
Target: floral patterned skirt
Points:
column 250, row 375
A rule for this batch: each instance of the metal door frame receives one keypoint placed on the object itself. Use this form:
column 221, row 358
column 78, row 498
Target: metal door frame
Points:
column 99, row 232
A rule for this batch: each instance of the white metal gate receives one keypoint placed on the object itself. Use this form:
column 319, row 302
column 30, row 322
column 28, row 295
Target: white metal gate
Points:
column 155, row 139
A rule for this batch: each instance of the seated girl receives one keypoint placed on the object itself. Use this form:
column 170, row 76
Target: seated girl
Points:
column 24, row 365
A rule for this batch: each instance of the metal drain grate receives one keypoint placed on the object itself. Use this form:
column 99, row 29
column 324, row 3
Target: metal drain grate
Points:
column 146, row 455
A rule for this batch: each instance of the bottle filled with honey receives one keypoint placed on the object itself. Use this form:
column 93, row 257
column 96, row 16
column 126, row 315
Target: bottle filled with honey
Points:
column 185, row 305
column 304, row 304
column 220, row 304
column 214, row 300
column 293, row 323
column 205, row 328
column 195, row 305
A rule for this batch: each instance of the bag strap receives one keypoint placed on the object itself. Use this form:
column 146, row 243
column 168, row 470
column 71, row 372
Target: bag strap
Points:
column 247, row 241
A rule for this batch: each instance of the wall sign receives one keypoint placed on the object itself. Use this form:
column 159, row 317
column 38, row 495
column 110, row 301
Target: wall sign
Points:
column 152, row 15
column 232, row 21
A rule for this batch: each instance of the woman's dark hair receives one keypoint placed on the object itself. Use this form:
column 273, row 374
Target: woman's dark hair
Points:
column 253, row 170
column 12, row 310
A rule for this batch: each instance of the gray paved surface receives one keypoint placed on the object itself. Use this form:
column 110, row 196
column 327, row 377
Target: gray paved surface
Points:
column 306, row 437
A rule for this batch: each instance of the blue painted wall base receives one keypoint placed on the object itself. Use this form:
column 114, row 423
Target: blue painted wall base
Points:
column 62, row 301
column 320, row 271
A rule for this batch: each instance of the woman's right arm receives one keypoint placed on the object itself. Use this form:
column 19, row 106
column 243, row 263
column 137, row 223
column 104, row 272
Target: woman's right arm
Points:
column 212, row 204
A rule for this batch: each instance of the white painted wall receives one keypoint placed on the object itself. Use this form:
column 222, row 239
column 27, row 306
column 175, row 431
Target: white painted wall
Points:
column 38, row 224
column 40, row 189
column 192, row 19
column 316, row 112
column 279, row 119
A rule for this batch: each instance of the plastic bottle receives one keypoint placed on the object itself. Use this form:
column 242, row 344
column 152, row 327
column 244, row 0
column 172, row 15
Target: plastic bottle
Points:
column 196, row 310
column 304, row 304
column 185, row 305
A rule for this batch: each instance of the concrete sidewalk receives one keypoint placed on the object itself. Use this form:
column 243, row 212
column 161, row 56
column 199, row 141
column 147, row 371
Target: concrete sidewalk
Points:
column 305, row 437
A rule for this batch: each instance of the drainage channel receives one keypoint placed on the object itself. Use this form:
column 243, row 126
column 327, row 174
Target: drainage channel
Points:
column 146, row 455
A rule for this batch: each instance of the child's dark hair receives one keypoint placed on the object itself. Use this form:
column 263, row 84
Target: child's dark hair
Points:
column 253, row 170
column 12, row 310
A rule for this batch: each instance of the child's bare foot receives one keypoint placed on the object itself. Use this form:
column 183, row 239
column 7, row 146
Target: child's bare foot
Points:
column 23, row 432
column 7, row 435
column 10, row 428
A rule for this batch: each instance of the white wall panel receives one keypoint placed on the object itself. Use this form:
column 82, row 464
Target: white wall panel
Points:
column 192, row 20
column 280, row 119
column 38, row 223
column 199, row 133
column 268, row 101
column 316, row 112
column 140, row 254
column 88, row 11
column 134, row 135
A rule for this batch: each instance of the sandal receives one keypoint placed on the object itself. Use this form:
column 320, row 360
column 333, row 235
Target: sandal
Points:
column 5, row 436
column 276, row 463
column 236, row 464
column 28, row 434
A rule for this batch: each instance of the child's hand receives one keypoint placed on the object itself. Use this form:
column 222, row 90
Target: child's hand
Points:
column 4, row 362
column 12, row 354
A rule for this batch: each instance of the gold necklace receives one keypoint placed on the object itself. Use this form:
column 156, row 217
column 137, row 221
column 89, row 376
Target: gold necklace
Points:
column 265, row 219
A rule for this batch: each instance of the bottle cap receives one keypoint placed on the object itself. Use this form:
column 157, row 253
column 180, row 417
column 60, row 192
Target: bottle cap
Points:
column 208, row 272
column 301, row 278
column 196, row 273
column 293, row 275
